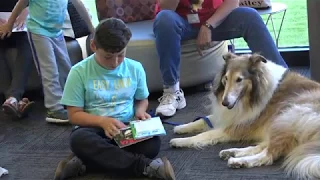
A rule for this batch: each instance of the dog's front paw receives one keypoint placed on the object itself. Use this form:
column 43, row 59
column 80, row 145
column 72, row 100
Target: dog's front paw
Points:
column 180, row 142
column 226, row 154
column 236, row 163
column 181, row 129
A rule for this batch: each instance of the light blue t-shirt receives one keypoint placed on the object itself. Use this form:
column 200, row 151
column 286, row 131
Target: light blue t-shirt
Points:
column 105, row 92
column 46, row 17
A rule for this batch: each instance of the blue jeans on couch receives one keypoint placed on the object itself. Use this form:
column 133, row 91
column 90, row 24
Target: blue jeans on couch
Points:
column 170, row 29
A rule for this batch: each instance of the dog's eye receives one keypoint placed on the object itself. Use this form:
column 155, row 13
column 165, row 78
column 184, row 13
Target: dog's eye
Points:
column 239, row 79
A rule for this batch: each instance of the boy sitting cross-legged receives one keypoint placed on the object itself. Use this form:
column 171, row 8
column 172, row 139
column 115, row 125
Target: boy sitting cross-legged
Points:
column 103, row 93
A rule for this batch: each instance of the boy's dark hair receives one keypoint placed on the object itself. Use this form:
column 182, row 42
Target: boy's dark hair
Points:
column 112, row 35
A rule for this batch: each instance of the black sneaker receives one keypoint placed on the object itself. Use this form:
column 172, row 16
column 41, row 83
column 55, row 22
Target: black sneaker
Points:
column 72, row 166
column 160, row 168
column 60, row 116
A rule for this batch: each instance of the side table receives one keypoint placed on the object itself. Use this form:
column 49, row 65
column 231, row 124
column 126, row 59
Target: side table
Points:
column 274, row 9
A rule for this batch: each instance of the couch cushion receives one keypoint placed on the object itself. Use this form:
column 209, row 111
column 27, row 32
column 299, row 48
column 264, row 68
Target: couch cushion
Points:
column 142, row 33
column 127, row 10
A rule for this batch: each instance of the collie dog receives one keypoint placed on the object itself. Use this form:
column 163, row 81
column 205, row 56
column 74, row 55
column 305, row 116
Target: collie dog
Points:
column 257, row 100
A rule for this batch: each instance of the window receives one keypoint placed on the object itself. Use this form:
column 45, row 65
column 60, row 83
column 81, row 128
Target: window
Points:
column 294, row 32
column 91, row 5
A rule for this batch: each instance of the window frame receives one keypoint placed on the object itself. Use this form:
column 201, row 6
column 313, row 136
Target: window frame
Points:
column 314, row 37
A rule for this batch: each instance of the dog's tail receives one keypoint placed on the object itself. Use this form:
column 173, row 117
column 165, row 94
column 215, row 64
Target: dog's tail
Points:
column 304, row 161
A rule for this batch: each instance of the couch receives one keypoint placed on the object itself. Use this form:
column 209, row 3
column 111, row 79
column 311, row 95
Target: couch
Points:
column 195, row 70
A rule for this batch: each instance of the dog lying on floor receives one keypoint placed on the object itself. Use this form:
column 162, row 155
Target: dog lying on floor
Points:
column 257, row 100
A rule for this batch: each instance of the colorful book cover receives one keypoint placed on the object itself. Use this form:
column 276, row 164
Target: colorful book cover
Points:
column 125, row 138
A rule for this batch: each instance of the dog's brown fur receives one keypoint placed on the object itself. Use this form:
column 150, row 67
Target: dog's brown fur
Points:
column 258, row 100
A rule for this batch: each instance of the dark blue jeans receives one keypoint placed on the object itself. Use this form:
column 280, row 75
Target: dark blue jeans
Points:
column 101, row 154
column 170, row 29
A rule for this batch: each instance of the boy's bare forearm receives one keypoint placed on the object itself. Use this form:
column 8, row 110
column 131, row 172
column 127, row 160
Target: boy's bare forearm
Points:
column 18, row 8
column 169, row 4
column 25, row 12
column 81, row 118
column 142, row 105
column 81, row 9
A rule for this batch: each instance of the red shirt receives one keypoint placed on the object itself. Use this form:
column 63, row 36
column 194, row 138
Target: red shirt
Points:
column 183, row 9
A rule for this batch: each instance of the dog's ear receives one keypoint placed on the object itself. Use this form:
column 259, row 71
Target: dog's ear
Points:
column 255, row 59
column 228, row 56
column 218, row 86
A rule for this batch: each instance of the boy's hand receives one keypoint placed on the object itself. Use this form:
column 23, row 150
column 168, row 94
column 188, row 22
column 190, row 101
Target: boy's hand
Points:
column 20, row 22
column 111, row 126
column 6, row 30
column 142, row 115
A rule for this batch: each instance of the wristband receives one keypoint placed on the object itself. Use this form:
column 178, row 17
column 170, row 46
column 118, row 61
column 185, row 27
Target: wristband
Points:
column 206, row 24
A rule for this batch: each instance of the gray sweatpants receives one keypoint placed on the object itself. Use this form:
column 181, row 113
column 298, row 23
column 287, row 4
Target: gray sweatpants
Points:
column 53, row 64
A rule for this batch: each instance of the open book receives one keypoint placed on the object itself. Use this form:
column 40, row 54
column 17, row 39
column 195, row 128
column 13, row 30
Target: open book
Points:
column 139, row 131
column 5, row 16
column 146, row 128
column 125, row 138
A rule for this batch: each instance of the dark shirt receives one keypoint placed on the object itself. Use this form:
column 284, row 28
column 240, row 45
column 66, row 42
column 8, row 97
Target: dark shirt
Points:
column 7, row 5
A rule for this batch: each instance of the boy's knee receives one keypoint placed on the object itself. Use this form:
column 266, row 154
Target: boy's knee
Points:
column 153, row 147
column 77, row 141
column 165, row 20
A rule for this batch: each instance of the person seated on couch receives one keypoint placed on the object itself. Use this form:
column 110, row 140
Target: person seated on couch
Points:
column 102, row 93
column 15, row 79
column 48, row 47
column 205, row 21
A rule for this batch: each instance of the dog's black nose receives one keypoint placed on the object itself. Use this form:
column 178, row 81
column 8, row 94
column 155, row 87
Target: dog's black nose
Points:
column 225, row 102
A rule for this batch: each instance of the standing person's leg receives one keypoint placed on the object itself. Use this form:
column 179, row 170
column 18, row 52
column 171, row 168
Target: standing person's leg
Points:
column 247, row 23
column 104, row 154
column 20, row 74
column 5, row 73
column 169, row 29
column 63, row 60
column 45, row 61
column 22, row 67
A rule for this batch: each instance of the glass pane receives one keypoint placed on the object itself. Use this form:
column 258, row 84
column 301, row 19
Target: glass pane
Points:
column 91, row 5
column 294, row 30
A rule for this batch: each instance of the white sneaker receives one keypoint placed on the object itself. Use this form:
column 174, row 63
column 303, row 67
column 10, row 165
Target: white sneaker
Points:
column 170, row 102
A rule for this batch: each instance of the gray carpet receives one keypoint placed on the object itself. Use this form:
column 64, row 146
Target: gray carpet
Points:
column 30, row 148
